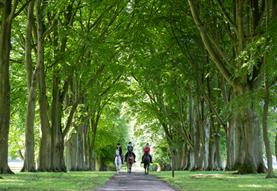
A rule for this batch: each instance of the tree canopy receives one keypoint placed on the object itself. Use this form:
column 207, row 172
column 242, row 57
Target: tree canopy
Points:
column 196, row 79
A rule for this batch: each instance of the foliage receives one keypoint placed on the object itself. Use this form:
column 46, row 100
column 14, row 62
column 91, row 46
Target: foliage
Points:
column 112, row 129
column 138, row 63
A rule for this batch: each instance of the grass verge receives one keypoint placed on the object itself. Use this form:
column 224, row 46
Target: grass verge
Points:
column 54, row 181
column 218, row 181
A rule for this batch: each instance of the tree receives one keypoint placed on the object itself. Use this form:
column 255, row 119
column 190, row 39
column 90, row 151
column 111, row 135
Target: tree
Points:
column 246, row 76
column 44, row 150
column 29, row 159
column 7, row 14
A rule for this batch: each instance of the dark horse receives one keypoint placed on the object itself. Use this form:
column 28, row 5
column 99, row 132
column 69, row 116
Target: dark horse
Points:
column 130, row 161
column 146, row 162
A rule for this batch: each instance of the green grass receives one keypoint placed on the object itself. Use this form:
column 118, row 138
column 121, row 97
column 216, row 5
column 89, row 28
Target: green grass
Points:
column 218, row 181
column 183, row 180
column 54, row 181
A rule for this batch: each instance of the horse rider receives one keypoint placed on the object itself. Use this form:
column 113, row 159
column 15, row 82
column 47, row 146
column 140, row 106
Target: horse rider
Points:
column 119, row 149
column 130, row 148
column 146, row 151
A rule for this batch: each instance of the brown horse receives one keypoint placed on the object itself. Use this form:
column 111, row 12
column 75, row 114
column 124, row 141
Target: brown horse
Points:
column 130, row 161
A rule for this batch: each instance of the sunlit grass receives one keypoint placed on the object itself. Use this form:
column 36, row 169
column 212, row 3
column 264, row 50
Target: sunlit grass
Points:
column 183, row 180
column 54, row 181
column 218, row 181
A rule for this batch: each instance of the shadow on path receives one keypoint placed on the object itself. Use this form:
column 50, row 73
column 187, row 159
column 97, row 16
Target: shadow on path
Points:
column 135, row 181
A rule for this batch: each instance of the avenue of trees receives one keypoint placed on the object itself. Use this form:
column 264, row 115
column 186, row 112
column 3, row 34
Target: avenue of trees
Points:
column 198, row 77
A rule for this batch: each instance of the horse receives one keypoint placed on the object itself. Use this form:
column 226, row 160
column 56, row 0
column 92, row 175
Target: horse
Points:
column 146, row 163
column 130, row 161
column 117, row 161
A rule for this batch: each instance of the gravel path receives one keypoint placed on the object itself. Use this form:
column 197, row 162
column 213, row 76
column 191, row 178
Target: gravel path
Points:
column 135, row 182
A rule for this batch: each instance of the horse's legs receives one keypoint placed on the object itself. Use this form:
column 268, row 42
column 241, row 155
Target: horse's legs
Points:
column 118, row 164
column 146, row 168
column 129, row 168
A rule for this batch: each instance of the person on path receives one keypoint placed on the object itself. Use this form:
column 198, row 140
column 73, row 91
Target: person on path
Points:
column 130, row 148
column 119, row 149
column 146, row 151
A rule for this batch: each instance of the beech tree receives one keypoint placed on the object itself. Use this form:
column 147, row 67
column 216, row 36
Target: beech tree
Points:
column 244, row 73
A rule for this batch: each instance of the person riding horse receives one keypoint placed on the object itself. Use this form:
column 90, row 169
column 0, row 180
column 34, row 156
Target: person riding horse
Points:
column 117, row 160
column 146, row 158
column 130, row 152
column 118, row 147
column 130, row 157
column 146, row 151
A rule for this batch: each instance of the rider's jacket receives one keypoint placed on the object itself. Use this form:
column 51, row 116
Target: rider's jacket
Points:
column 146, row 149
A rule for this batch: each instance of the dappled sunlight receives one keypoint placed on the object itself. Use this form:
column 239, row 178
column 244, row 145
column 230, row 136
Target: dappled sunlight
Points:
column 215, row 176
column 9, row 181
column 256, row 186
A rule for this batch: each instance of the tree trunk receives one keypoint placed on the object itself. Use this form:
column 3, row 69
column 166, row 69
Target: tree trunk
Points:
column 191, row 158
column 230, row 134
column 80, row 148
column 93, row 125
column 198, row 135
column 206, row 145
column 196, row 148
column 258, row 143
column 58, row 96
column 71, row 150
column 217, row 150
column 211, row 147
column 67, row 155
column 188, row 159
column 265, row 131
column 86, row 145
column 57, row 141
column 276, row 146
column 29, row 159
column 5, row 47
column 248, row 164
column 44, row 147
column 238, row 143
column 274, row 17
column 252, row 162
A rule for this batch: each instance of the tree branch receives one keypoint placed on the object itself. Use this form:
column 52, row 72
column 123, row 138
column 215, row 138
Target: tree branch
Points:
column 15, row 14
column 70, row 118
column 226, row 15
column 213, row 50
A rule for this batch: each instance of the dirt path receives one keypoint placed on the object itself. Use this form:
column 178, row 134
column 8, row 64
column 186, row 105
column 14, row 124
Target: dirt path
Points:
column 135, row 182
